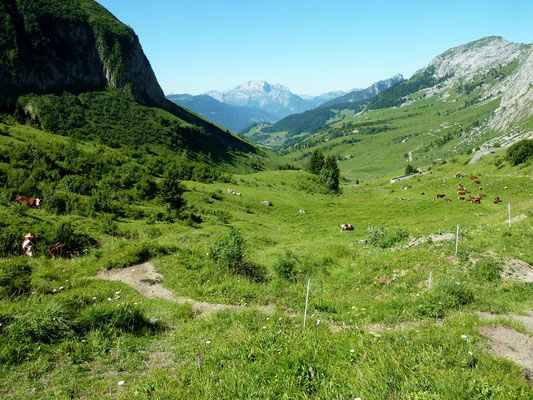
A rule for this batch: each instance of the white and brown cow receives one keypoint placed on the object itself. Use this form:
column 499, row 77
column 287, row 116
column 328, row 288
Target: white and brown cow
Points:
column 29, row 243
column 30, row 201
column 347, row 227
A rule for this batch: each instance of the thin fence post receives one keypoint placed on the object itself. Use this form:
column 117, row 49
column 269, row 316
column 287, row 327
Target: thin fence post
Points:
column 306, row 301
column 457, row 240
column 509, row 209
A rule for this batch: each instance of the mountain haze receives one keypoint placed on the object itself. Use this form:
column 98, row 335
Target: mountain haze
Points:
column 225, row 115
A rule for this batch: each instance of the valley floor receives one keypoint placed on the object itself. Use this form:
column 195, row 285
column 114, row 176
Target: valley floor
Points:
column 386, row 319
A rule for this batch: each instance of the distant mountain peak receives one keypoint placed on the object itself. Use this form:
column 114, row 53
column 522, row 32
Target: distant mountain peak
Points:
column 467, row 59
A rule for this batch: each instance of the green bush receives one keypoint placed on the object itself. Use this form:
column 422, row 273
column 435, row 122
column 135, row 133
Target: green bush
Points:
column 229, row 252
column 445, row 296
column 284, row 266
column 384, row 237
column 10, row 241
column 15, row 278
column 488, row 269
column 63, row 232
column 520, row 152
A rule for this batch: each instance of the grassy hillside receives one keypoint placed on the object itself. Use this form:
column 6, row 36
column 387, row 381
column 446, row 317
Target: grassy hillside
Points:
column 66, row 334
column 425, row 129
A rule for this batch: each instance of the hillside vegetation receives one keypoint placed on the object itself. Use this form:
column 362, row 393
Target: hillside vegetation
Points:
column 372, row 315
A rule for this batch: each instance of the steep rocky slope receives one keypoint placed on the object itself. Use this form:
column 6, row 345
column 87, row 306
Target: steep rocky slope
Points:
column 77, row 46
column 517, row 98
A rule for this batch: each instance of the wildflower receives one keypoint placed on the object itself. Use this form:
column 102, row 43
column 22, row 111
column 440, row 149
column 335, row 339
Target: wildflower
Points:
column 470, row 353
column 118, row 292
column 199, row 359
column 60, row 287
column 318, row 322
column 352, row 350
column 94, row 298
column 463, row 336
column 264, row 327
column 208, row 342
column 120, row 383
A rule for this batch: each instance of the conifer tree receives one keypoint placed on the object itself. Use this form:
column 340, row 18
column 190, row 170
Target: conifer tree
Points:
column 330, row 174
column 316, row 162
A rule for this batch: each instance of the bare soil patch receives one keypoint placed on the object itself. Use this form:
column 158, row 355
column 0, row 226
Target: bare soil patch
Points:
column 430, row 238
column 516, row 269
column 526, row 320
column 508, row 343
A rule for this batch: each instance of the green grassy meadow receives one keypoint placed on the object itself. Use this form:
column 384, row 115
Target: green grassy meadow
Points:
column 65, row 334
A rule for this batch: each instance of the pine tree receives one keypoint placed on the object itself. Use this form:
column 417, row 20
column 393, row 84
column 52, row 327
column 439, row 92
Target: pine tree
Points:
column 171, row 189
column 316, row 162
column 330, row 174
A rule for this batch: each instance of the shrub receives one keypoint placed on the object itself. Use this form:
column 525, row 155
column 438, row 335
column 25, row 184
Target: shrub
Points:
column 74, row 241
column 409, row 169
column 229, row 252
column 520, row 152
column 10, row 242
column 15, row 278
column 445, row 296
column 383, row 237
column 126, row 318
column 488, row 269
column 284, row 266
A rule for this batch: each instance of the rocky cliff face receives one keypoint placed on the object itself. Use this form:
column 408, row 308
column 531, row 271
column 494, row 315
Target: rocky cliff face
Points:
column 73, row 46
column 517, row 98
column 468, row 59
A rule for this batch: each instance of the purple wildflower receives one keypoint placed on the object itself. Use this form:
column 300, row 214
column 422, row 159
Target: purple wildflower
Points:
column 199, row 359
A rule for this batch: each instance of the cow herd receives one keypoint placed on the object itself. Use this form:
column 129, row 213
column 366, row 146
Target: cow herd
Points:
column 465, row 194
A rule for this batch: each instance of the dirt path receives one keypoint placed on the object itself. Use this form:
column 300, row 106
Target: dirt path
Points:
column 508, row 343
column 411, row 153
column 145, row 280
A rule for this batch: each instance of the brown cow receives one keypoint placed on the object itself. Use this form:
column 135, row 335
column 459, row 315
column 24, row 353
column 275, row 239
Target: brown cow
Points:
column 461, row 198
column 473, row 177
column 28, row 244
column 477, row 181
column 422, row 194
column 448, row 200
column 460, row 193
column 30, row 201
column 403, row 199
column 440, row 196
column 496, row 200
column 476, row 201
column 58, row 249
column 347, row 227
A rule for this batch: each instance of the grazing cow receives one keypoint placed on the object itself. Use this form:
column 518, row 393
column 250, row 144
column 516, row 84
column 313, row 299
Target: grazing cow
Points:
column 448, row 200
column 461, row 193
column 347, row 227
column 28, row 244
column 473, row 177
column 266, row 203
column 480, row 188
column 231, row 191
column 506, row 187
column 476, row 201
column 497, row 200
column 238, row 194
column 461, row 198
column 422, row 194
column 477, row 181
column 403, row 199
column 302, row 211
column 58, row 249
column 461, row 186
column 30, row 201
column 458, row 175
column 440, row 196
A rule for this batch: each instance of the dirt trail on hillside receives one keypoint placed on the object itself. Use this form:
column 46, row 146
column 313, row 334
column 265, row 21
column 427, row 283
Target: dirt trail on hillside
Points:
column 145, row 280
column 508, row 343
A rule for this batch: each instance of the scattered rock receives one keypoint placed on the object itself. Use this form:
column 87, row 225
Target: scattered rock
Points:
column 432, row 238
column 363, row 241
column 516, row 269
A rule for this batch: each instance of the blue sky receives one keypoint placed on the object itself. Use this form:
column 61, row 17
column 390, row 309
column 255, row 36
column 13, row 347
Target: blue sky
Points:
column 310, row 46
